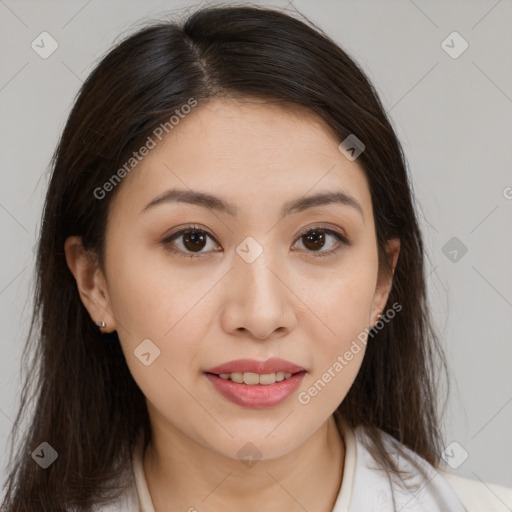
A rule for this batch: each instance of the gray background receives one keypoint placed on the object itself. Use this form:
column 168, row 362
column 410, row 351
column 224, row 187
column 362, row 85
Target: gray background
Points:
column 453, row 117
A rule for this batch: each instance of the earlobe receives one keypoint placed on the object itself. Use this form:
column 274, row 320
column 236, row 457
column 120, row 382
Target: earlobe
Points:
column 90, row 283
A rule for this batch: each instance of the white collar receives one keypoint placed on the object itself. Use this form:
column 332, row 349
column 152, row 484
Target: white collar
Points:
column 365, row 486
column 370, row 488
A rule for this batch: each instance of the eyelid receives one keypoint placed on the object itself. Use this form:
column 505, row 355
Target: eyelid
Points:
column 337, row 232
column 342, row 239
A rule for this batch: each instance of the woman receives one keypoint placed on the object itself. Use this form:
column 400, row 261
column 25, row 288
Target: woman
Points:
column 230, row 304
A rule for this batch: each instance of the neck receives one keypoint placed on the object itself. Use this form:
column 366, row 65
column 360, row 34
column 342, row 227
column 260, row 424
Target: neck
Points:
column 181, row 474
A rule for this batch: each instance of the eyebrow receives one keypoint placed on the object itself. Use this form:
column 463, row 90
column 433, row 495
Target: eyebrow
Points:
column 207, row 200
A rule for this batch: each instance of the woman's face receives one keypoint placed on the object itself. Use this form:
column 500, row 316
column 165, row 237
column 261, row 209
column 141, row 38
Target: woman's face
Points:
column 247, row 283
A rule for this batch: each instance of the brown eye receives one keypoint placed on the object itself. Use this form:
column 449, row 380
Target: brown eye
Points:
column 188, row 242
column 194, row 241
column 316, row 239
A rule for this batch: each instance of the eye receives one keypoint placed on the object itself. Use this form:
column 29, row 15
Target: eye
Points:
column 315, row 238
column 193, row 239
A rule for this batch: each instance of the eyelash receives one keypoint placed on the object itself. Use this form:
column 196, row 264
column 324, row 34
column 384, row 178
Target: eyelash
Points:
column 342, row 241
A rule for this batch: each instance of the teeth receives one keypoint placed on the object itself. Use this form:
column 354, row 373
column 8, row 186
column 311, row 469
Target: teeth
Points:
column 252, row 379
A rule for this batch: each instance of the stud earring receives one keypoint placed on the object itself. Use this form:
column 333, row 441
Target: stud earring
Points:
column 101, row 325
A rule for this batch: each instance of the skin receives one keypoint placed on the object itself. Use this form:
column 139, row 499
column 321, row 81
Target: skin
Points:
column 205, row 311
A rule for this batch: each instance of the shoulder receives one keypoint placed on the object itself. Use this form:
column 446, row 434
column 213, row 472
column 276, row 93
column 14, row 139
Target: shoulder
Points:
column 438, row 486
column 478, row 496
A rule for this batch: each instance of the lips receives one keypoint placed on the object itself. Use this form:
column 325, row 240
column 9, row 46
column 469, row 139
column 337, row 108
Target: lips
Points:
column 271, row 365
column 256, row 396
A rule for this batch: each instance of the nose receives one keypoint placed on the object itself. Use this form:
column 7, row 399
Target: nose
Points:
column 258, row 299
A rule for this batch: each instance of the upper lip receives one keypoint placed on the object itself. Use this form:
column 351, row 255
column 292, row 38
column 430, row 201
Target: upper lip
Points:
column 271, row 365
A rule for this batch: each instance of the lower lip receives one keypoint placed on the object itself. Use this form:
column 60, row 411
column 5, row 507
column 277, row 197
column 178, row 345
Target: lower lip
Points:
column 258, row 396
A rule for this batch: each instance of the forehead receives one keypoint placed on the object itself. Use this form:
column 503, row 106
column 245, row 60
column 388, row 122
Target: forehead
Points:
column 249, row 151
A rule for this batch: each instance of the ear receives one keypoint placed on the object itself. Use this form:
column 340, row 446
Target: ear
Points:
column 90, row 282
column 384, row 281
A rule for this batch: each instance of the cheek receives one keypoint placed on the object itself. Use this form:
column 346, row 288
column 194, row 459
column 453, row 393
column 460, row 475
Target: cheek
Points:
column 148, row 295
column 339, row 344
column 345, row 320
column 153, row 301
column 342, row 297
column 339, row 329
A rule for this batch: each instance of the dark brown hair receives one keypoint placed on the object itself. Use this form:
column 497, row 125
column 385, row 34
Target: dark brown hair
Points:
column 86, row 403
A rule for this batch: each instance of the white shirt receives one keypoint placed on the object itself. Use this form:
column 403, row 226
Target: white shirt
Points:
column 366, row 488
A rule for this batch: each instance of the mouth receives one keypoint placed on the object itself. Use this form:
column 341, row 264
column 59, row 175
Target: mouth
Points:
column 256, row 384
column 256, row 391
